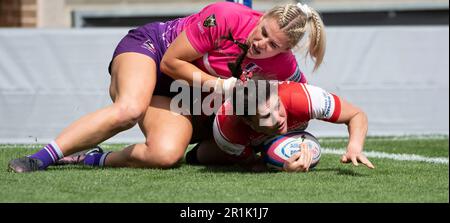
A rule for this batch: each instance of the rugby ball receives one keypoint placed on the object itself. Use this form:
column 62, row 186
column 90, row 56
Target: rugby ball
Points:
column 278, row 149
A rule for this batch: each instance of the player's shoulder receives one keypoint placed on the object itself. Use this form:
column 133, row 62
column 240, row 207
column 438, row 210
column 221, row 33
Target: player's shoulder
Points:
column 290, row 85
column 229, row 10
column 228, row 6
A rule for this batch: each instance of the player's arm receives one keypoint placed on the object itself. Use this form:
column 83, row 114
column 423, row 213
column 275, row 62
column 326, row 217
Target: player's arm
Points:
column 357, row 125
column 177, row 61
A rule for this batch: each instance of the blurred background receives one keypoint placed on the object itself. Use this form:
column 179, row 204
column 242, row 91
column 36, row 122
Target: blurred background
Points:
column 114, row 13
column 389, row 57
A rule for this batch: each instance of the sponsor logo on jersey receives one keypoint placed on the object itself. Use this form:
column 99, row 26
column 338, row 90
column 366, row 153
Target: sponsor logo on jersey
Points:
column 210, row 21
column 149, row 46
column 252, row 67
column 328, row 104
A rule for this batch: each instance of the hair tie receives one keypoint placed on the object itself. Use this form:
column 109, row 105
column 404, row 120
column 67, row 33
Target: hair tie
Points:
column 305, row 9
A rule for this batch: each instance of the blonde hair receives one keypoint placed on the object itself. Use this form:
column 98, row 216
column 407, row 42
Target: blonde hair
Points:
column 295, row 21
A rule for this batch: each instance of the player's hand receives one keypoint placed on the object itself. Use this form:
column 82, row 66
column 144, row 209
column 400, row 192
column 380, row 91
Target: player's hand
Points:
column 225, row 85
column 356, row 156
column 299, row 162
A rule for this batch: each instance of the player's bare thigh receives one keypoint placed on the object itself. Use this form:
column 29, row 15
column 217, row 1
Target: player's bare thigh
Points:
column 167, row 133
column 133, row 80
column 133, row 77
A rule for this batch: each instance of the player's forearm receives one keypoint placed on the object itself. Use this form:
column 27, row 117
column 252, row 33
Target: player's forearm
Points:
column 180, row 69
column 357, row 128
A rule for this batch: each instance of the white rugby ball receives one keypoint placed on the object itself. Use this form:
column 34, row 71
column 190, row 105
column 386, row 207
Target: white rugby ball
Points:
column 278, row 149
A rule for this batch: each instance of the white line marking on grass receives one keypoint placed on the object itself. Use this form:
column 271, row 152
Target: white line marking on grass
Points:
column 389, row 138
column 402, row 157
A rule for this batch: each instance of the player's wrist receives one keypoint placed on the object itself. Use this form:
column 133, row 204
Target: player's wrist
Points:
column 224, row 85
column 218, row 84
column 354, row 147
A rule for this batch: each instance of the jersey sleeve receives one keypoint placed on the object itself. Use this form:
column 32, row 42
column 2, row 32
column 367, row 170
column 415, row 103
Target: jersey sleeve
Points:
column 293, row 69
column 324, row 105
column 298, row 76
column 208, row 27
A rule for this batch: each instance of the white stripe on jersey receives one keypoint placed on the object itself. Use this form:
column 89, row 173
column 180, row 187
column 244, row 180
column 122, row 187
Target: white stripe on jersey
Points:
column 323, row 103
column 208, row 65
column 223, row 142
column 297, row 76
column 308, row 96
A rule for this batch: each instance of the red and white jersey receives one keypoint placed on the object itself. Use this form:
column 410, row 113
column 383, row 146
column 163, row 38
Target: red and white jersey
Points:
column 302, row 102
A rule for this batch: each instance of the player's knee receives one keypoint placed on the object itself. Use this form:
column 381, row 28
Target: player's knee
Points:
column 128, row 114
column 169, row 161
column 167, row 155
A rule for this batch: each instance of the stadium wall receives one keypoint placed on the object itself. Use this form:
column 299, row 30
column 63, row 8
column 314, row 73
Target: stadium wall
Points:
column 398, row 74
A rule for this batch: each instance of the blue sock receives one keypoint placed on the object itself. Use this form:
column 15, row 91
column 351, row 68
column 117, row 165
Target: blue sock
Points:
column 48, row 155
column 96, row 159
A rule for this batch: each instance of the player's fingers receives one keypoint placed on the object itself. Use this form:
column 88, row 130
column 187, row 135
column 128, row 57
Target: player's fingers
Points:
column 294, row 157
column 291, row 163
column 304, row 149
column 308, row 159
column 366, row 162
column 344, row 159
column 354, row 160
column 295, row 162
column 299, row 161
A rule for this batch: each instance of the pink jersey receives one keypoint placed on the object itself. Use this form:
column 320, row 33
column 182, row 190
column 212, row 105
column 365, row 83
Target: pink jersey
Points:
column 206, row 29
column 302, row 102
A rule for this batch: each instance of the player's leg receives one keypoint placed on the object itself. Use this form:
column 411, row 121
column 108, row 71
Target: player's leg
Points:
column 167, row 137
column 133, row 79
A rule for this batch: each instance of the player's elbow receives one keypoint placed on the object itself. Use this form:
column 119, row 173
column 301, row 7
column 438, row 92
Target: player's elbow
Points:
column 166, row 66
column 360, row 116
column 169, row 65
column 357, row 116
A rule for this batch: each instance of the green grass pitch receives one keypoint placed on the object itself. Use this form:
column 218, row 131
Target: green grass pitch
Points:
column 393, row 181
